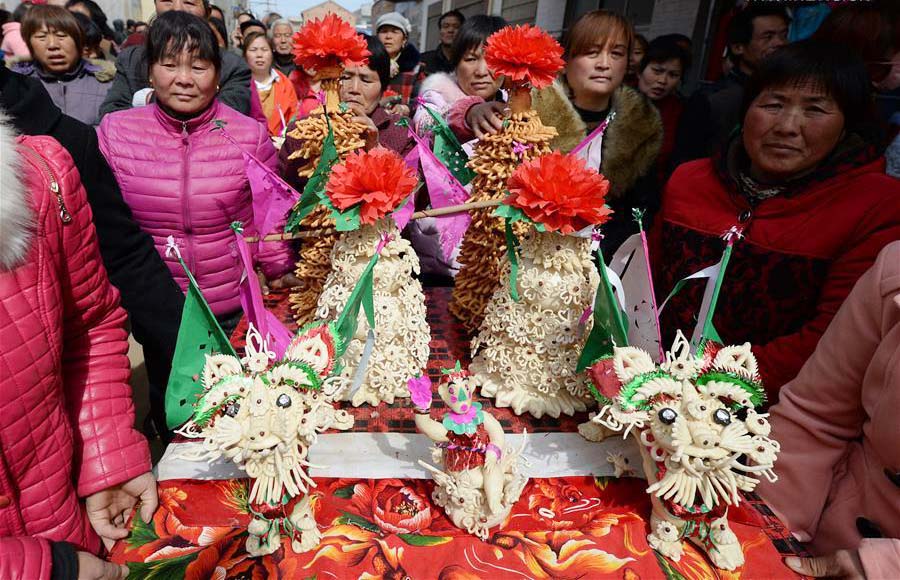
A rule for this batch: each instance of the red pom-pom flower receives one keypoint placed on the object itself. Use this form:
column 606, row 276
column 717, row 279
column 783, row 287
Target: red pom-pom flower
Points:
column 559, row 191
column 328, row 43
column 524, row 54
column 377, row 180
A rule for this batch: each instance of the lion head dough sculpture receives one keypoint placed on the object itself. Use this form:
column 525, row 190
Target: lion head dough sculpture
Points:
column 700, row 437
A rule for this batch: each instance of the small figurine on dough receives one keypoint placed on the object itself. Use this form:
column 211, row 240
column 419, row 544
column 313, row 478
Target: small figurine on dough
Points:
column 481, row 479
column 700, row 438
column 264, row 415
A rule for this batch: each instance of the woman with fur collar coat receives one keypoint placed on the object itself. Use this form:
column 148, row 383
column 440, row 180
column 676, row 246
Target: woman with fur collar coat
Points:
column 71, row 465
column 592, row 94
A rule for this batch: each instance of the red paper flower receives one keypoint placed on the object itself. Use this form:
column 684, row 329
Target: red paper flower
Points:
column 330, row 42
column 524, row 54
column 559, row 191
column 378, row 180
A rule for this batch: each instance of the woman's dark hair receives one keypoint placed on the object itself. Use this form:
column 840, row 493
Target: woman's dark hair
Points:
column 92, row 35
column 663, row 49
column 473, row 33
column 54, row 18
column 248, row 40
column 642, row 40
column 379, row 61
column 175, row 31
column 838, row 72
column 220, row 27
column 97, row 16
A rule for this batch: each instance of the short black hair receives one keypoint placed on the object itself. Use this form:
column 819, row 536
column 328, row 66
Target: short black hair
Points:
column 175, row 31
column 473, row 33
column 740, row 30
column 455, row 13
column 252, row 22
column 839, row 72
column 89, row 31
column 19, row 13
column 379, row 61
column 665, row 48
column 220, row 27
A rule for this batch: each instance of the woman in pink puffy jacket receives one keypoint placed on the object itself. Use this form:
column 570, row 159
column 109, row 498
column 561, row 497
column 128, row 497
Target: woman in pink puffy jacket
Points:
column 72, row 468
column 181, row 176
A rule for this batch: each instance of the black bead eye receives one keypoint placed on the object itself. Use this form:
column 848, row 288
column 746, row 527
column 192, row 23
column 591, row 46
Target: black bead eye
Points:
column 283, row 401
column 231, row 409
column 722, row 417
column 667, row 415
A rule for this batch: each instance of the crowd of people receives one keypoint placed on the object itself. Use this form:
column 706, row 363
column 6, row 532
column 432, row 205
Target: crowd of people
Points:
column 110, row 156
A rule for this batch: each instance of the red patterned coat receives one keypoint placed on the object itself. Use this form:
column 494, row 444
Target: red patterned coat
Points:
column 66, row 414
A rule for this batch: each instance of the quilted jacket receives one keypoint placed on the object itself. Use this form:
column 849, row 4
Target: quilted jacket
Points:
column 184, row 179
column 66, row 414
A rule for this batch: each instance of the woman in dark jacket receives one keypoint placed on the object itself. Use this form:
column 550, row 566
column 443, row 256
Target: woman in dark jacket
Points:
column 806, row 188
column 56, row 42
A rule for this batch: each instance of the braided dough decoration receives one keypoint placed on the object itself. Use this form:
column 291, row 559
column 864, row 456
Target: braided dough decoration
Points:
column 482, row 254
column 526, row 352
column 701, row 441
column 314, row 261
column 402, row 333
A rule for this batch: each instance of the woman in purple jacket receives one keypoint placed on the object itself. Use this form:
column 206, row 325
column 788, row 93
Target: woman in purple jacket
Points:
column 183, row 178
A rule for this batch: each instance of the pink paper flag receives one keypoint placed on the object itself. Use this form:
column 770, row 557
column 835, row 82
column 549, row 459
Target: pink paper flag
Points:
column 444, row 191
column 272, row 196
column 275, row 334
column 403, row 215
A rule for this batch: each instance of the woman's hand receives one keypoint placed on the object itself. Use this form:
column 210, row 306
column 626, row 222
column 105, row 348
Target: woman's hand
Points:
column 840, row 564
column 398, row 109
column 90, row 567
column 108, row 510
column 287, row 281
column 486, row 118
column 362, row 118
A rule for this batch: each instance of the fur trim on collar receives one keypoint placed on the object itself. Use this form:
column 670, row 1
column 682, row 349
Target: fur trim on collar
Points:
column 15, row 213
column 631, row 142
column 445, row 85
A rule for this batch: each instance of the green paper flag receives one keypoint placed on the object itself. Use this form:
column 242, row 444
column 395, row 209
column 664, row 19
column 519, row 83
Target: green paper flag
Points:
column 708, row 308
column 610, row 329
column 198, row 336
column 512, row 253
column 360, row 296
column 448, row 149
column 314, row 191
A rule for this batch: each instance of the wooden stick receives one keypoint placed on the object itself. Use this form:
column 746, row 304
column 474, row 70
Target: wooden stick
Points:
column 449, row 210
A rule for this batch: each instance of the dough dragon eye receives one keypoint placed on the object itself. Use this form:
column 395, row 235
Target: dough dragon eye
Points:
column 283, row 401
column 722, row 417
column 231, row 409
column 667, row 415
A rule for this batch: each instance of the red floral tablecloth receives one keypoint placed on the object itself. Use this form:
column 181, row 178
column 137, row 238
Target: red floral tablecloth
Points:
column 572, row 527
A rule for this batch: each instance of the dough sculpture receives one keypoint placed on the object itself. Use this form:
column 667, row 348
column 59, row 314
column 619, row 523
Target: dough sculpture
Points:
column 324, row 46
column 527, row 57
column 701, row 440
column 481, row 480
column 374, row 183
column 526, row 353
column 264, row 415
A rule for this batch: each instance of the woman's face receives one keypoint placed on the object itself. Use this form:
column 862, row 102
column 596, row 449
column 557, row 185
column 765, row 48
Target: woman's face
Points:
column 789, row 130
column 660, row 79
column 392, row 38
column 474, row 77
column 892, row 80
column 598, row 72
column 184, row 83
column 361, row 88
column 54, row 50
column 259, row 56
column 635, row 57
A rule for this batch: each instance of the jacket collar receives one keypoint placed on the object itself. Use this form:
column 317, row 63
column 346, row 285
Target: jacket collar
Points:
column 381, row 118
column 190, row 125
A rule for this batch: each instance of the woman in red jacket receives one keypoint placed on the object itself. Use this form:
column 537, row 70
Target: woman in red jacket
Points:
column 806, row 187
column 71, row 466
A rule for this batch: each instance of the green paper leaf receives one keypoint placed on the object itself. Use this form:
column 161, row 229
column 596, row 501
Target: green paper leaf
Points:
column 164, row 569
column 198, row 336
column 345, row 492
column 610, row 327
column 448, row 150
column 348, row 220
column 420, row 540
column 512, row 253
column 141, row 532
column 345, row 327
column 314, row 190
column 667, row 568
column 346, row 518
